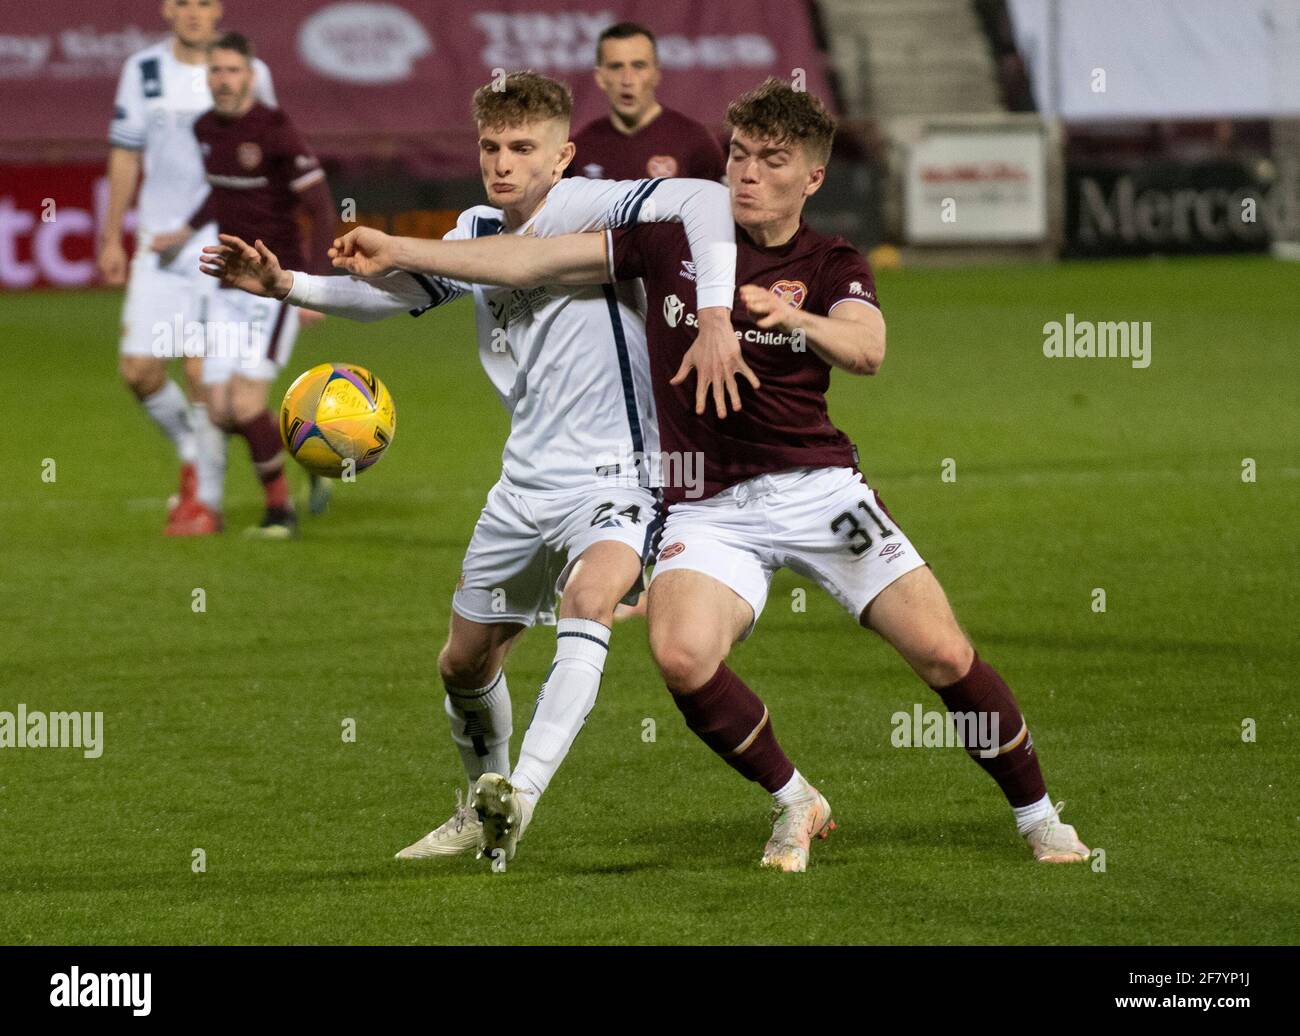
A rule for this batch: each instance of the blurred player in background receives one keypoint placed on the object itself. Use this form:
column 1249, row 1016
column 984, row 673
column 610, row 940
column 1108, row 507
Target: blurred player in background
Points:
column 162, row 90
column 639, row 137
column 261, row 174
column 574, row 510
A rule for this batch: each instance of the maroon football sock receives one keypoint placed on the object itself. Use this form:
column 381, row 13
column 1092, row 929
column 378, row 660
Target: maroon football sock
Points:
column 1015, row 766
column 267, row 451
column 733, row 721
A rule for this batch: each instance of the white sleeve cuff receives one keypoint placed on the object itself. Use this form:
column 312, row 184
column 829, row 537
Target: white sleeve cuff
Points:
column 300, row 292
column 717, row 296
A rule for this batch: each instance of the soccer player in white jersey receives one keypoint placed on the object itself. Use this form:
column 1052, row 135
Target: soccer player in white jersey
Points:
column 574, row 511
column 163, row 89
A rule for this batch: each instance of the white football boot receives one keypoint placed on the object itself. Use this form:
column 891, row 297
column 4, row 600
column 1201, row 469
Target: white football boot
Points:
column 503, row 814
column 1054, row 842
column 793, row 828
column 459, row 834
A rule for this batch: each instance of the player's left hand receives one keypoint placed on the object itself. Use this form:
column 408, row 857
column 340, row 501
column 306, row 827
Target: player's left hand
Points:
column 768, row 310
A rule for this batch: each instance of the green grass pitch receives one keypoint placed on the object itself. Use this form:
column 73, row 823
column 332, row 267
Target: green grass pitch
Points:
column 223, row 729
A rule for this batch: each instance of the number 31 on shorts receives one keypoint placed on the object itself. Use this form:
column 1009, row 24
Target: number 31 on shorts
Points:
column 859, row 539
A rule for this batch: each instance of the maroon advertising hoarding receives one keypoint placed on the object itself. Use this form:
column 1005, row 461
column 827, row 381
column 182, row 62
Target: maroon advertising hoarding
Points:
column 354, row 71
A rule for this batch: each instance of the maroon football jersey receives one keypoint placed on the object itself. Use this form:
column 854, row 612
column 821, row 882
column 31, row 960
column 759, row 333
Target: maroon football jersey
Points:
column 257, row 165
column 672, row 145
column 782, row 425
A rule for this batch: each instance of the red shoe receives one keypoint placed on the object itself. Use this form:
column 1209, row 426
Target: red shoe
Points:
column 188, row 491
column 194, row 519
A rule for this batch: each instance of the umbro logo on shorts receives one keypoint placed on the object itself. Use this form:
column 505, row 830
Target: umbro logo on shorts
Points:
column 672, row 550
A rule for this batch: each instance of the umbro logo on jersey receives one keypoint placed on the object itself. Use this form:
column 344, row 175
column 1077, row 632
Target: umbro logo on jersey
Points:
column 612, row 523
column 673, row 310
column 688, row 269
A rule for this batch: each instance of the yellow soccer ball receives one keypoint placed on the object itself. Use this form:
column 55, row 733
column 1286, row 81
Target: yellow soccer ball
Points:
column 337, row 419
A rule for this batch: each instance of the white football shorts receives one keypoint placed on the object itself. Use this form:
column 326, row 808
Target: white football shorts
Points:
column 247, row 335
column 166, row 303
column 826, row 524
column 525, row 546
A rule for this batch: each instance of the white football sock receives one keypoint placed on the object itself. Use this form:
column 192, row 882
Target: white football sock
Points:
column 481, row 726
column 1033, row 814
column 171, row 412
column 568, row 694
column 211, row 462
column 794, row 790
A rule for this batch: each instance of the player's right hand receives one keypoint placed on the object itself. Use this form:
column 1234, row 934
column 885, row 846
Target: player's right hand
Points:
column 365, row 252
column 251, row 268
column 112, row 262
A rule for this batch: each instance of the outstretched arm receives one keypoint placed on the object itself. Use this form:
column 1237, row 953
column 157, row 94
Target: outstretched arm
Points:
column 255, row 269
column 507, row 260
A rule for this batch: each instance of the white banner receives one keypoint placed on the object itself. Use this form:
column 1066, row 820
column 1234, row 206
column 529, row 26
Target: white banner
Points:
column 976, row 184
column 1161, row 59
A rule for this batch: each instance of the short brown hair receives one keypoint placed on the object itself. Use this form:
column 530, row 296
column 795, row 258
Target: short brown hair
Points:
column 627, row 31
column 235, row 41
column 778, row 112
column 521, row 97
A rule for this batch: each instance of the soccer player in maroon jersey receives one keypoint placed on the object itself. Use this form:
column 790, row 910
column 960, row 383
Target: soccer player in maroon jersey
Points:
column 639, row 137
column 781, row 485
column 261, row 174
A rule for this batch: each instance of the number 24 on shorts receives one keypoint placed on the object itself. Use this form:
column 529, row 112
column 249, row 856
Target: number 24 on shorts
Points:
column 632, row 513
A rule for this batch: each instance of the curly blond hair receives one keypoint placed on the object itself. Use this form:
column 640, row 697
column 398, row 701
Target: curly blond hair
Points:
column 520, row 98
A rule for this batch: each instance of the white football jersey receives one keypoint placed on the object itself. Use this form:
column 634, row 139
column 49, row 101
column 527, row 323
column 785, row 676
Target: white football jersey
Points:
column 569, row 362
column 158, row 100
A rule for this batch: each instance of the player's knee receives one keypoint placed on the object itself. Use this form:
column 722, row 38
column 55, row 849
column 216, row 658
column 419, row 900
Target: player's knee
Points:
column 244, row 408
column 460, row 668
column 221, row 415
column 947, row 662
column 589, row 601
column 143, row 377
column 684, row 663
